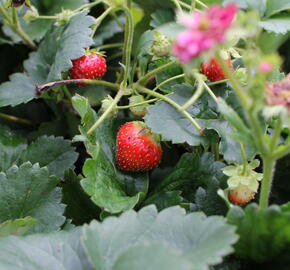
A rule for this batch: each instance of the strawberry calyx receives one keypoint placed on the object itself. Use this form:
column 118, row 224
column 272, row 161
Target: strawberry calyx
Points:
column 243, row 182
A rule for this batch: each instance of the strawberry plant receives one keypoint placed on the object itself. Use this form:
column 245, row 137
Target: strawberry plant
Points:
column 144, row 134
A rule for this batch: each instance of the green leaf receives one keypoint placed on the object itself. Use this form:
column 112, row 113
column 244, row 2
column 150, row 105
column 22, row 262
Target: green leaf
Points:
column 160, row 257
column 278, row 25
column 244, row 134
column 270, row 42
column 173, row 126
column 109, row 188
column 268, row 239
column 79, row 206
column 171, row 29
column 60, row 250
column 55, row 153
column 53, row 57
column 164, row 199
column 199, row 178
column 152, row 5
column 28, row 190
column 11, row 147
column 241, row 3
column 160, row 17
column 276, row 6
column 229, row 146
column 144, row 43
column 16, row 227
column 192, row 239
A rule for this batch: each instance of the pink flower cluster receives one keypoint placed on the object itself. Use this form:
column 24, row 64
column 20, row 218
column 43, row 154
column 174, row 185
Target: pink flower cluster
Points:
column 203, row 31
column 279, row 93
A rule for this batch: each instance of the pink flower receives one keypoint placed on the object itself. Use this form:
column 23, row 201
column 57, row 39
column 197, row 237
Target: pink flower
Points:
column 279, row 93
column 203, row 31
column 265, row 67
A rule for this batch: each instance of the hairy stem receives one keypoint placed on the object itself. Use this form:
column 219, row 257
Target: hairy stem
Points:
column 16, row 119
column 244, row 158
column 238, row 89
column 42, row 87
column 13, row 23
column 137, row 104
column 172, row 103
column 268, row 171
column 195, row 96
column 100, row 19
column 276, row 134
column 129, row 34
column 145, row 78
column 106, row 112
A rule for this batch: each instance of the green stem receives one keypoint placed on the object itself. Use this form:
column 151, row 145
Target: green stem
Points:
column 252, row 115
column 100, row 19
column 195, row 96
column 177, row 4
column 46, row 86
column 257, row 132
column 187, row 6
column 282, row 151
column 145, row 78
column 193, row 2
column 43, row 17
column 201, row 3
column 87, row 6
column 137, row 104
column 15, row 26
column 106, row 112
column 166, row 81
column 210, row 92
column 268, row 172
column 16, row 119
column 67, row 93
column 276, row 134
column 244, row 158
column 215, row 149
column 172, row 103
column 229, row 74
column 128, row 44
column 109, row 46
column 218, row 82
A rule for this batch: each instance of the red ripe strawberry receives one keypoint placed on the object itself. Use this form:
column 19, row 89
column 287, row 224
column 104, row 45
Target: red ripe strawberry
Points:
column 92, row 66
column 138, row 149
column 213, row 70
column 241, row 195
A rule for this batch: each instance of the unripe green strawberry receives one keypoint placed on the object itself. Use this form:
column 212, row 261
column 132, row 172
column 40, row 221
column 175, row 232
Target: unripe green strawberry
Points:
column 161, row 45
column 140, row 110
column 137, row 148
column 243, row 182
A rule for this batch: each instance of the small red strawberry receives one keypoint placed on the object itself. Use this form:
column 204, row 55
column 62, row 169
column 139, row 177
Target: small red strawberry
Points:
column 91, row 66
column 138, row 149
column 213, row 70
column 241, row 195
